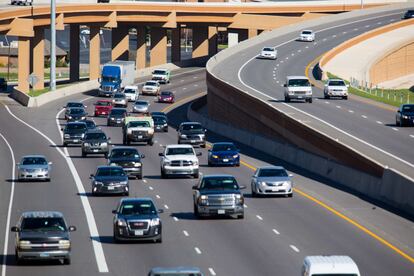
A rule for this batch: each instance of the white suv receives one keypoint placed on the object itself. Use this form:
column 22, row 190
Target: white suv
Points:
column 179, row 160
column 335, row 88
column 298, row 88
column 268, row 53
column 131, row 93
column 307, row 35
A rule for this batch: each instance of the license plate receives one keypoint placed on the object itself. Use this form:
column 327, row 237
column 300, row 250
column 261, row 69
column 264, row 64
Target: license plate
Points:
column 225, row 160
column 299, row 97
column 76, row 140
column 111, row 188
column 139, row 136
column 192, row 141
column 275, row 189
column 221, row 212
column 44, row 255
column 139, row 232
column 95, row 150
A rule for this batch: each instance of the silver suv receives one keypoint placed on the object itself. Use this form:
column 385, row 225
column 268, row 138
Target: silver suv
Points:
column 95, row 142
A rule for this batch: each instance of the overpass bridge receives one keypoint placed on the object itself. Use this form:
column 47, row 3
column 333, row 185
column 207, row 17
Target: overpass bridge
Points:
column 244, row 20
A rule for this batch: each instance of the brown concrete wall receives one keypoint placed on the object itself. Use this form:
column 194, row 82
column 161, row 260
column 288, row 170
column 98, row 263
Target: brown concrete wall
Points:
column 229, row 105
column 398, row 63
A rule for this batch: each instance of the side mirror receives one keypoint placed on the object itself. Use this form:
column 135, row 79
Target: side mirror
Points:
column 205, row 130
column 114, row 212
column 72, row 228
column 50, row 163
column 195, row 187
column 91, row 176
column 398, row 111
column 285, row 85
column 160, row 154
column 160, row 211
column 61, row 129
column 142, row 155
column 242, row 187
column 15, row 229
column 198, row 154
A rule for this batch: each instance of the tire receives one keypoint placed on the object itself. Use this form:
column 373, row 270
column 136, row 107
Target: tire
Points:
column 163, row 175
column 240, row 216
column 287, row 99
column 290, row 195
column 128, row 142
column 254, row 194
column 18, row 260
column 67, row 261
column 65, row 144
column 203, row 146
column 139, row 176
column 310, row 100
column 326, row 97
column 196, row 214
column 166, row 130
column 106, row 155
column 345, row 97
column 238, row 165
column 209, row 164
column 151, row 142
column 196, row 175
column 115, row 238
column 84, row 154
column 159, row 240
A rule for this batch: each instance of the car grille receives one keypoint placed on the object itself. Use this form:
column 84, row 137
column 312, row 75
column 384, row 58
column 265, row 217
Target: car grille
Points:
column 274, row 184
column 126, row 164
column 221, row 200
column 107, row 88
column 181, row 163
column 300, row 92
column 193, row 137
column 138, row 132
column 138, row 225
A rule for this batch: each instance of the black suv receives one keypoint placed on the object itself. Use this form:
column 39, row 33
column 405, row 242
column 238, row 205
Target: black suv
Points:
column 110, row 180
column 74, row 132
column 408, row 14
column 160, row 123
column 75, row 114
column 218, row 195
column 95, row 142
column 116, row 117
column 137, row 219
column 42, row 236
column 192, row 133
column 129, row 159
column 405, row 115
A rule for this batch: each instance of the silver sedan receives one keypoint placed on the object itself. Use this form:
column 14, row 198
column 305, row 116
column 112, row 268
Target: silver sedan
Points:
column 34, row 167
column 119, row 99
column 272, row 180
column 141, row 107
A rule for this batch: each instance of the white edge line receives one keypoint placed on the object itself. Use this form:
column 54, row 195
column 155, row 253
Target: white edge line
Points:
column 93, row 229
column 185, row 233
column 6, row 233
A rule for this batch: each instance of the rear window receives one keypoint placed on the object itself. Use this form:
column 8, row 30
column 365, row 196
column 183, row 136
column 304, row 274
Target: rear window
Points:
column 408, row 108
column 141, row 103
column 166, row 93
column 269, row 49
column 110, row 172
column 74, row 105
column 138, row 208
column 180, row 151
column 151, row 83
column 119, row 96
column 76, row 111
column 224, row 147
column 194, row 127
column 125, row 153
column 118, row 111
column 129, row 91
column 335, row 274
column 298, row 82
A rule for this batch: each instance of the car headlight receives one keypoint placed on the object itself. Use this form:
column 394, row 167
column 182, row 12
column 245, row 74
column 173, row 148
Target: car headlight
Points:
column 97, row 183
column 202, row 135
column 86, row 144
column 69, row 117
column 183, row 136
column 123, row 182
column 405, row 116
column 24, row 244
column 155, row 222
column 203, row 200
column 112, row 164
column 165, row 124
column 64, row 244
column 104, row 144
column 239, row 199
column 83, row 135
column 83, row 118
column 261, row 183
column 235, row 156
column 66, row 136
column 121, row 222
column 137, row 164
column 214, row 156
column 112, row 118
column 44, row 170
column 287, row 183
column 195, row 163
column 167, row 162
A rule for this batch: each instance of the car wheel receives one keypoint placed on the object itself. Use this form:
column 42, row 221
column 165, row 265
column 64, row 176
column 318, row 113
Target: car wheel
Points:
column 238, row 165
column 290, row 195
column 84, row 154
column 163, row 175
column 209, row 164
column 115, row 238
column 65, row 144
column 310, row 100
column 159, row 240
column 17, row 259
column 196, row 214
column 106, row 155
column 240, row 216
column 151, row 142
column 128, row 142
column 139, row 176
column 287, row 99
column 66, row 261
column 345, row 97
column 196, row 175
column 254, row 194
column 203, row 145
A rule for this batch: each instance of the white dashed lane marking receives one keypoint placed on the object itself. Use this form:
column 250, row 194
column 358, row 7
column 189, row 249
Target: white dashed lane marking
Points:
column 166, row 206
column 412, row 136
column 175, row 218
column 275, row 231
column 185, row 233
column 379, row 122
column 259, row 217
column 394, row 128
column 197, row 250
column 212, row 272
column 157, row 196
column 350, row 111
column 144, row 180
column 338, row 106
column 363, row 116
column 294, row 248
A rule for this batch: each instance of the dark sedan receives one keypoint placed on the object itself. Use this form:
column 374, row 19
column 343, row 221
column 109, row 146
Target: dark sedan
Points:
column 74, row 132
column 224, row 154
column 129, row 159
column 75, row 114
column 405, row 115
column 160, row 123
column 137, row 219
column 110, row 180
column 116, row 117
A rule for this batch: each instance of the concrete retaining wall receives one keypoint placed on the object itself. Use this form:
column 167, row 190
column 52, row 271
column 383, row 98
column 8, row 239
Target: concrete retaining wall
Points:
column 391, row 188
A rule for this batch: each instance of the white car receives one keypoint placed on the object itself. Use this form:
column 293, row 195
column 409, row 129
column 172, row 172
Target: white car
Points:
column 161, row 75
column 298, row 88
column 131, row 93
column 119, row 99
column 179, row 160
column 22, row 2
column 151, row 88
column 307, row 35
column 268, row 53
column 329, row 265
column 335, row 88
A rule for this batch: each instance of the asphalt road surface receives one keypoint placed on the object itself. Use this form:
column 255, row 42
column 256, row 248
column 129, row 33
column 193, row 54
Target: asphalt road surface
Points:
column 273, row 238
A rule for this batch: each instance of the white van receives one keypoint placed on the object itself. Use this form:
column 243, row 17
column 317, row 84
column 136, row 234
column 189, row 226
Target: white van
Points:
column 329, row 265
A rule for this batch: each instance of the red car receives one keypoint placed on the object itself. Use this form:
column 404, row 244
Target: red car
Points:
column 166, row 97
column 103, row 107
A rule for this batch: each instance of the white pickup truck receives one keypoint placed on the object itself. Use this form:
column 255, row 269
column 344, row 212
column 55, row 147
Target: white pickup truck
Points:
column 179, row 160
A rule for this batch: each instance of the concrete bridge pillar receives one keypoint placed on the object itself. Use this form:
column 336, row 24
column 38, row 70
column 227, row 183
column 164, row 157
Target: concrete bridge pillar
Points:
column 158, row 46
column 238, row 35
column 252, row 33
column 176, row 45
column 74, row 53
column 120, row 43
column 141, row 58
column 94, row 52
column 23, row 63
column 204, row 41
column 38, row 57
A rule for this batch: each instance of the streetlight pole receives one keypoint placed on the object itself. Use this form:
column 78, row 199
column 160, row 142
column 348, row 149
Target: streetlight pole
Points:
column 52, row 83
column 362, row 4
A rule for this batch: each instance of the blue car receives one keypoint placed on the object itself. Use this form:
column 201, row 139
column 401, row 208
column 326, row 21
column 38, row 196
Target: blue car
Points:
column 224, row 153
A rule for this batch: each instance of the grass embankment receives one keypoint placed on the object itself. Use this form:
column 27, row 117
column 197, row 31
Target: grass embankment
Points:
column 35, row 93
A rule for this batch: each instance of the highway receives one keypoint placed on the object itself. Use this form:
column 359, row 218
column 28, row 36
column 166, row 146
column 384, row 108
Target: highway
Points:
column 273, row 239
column 371, row 125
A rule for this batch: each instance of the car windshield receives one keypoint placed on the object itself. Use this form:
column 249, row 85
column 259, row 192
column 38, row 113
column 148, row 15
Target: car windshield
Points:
column 306, row 32
column 224, row 183
column 138, row 208
column 139, row 124
column 336, row 83
column 160, row 72
column 408, row 108
column 272, row 173
column 224, row 147
column 76, row 111
column 109, row 79
column 129, row 91
column 118, row 111
column 141, row 103
column 159, row 120
column 95, row 136
column 119, row 96
column 110, row 172
column 180, row 151
column 103, row 103
column 43, row 224
column 299, row 82
column 81, row 126
column 34, row 161
column 166, row 93
column 74, row 105
column 268, row 49
column 151, row 83
column 125, row 153
column 192, row 127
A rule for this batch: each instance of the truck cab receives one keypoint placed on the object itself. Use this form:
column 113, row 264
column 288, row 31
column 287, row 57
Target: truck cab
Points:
column 329, row 265
column 115, row 76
